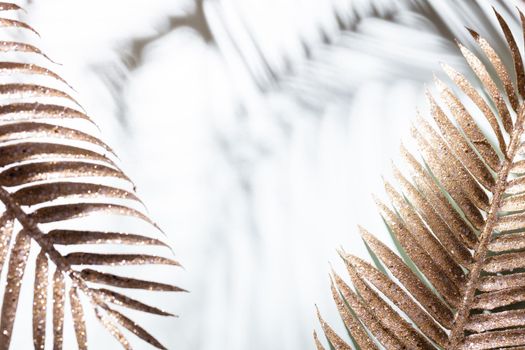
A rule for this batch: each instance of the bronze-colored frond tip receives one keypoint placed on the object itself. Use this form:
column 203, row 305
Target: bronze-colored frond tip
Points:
column 53, row 172
column 473, row 33
column 332, row 337
column 318, row 344
column 7, row 6
column 458, row 220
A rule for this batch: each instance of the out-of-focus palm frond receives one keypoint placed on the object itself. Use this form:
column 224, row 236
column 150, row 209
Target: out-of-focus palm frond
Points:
column 322, row 65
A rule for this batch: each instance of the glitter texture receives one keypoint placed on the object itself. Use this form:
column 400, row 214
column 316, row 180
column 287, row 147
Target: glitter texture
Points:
column 471, row 92
column 44, row 161
column 20, row 131
column 40, row 301
column 459, row 223
column 469, row 127
column 490, row 87
column 32, row 172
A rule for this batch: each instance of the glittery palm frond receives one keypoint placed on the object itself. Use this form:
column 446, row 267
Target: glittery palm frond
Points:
column 58, row 185
column 459, row 220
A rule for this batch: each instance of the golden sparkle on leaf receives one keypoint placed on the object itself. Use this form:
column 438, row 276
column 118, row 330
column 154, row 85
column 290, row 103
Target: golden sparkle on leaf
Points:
column 459, row 219
column 51, row 173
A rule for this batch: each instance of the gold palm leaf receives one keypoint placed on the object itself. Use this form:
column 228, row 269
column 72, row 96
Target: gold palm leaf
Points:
column 459, row 221
column 54, row 177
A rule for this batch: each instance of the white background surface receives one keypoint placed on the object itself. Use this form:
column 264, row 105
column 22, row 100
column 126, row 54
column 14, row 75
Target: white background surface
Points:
column 257, row 173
